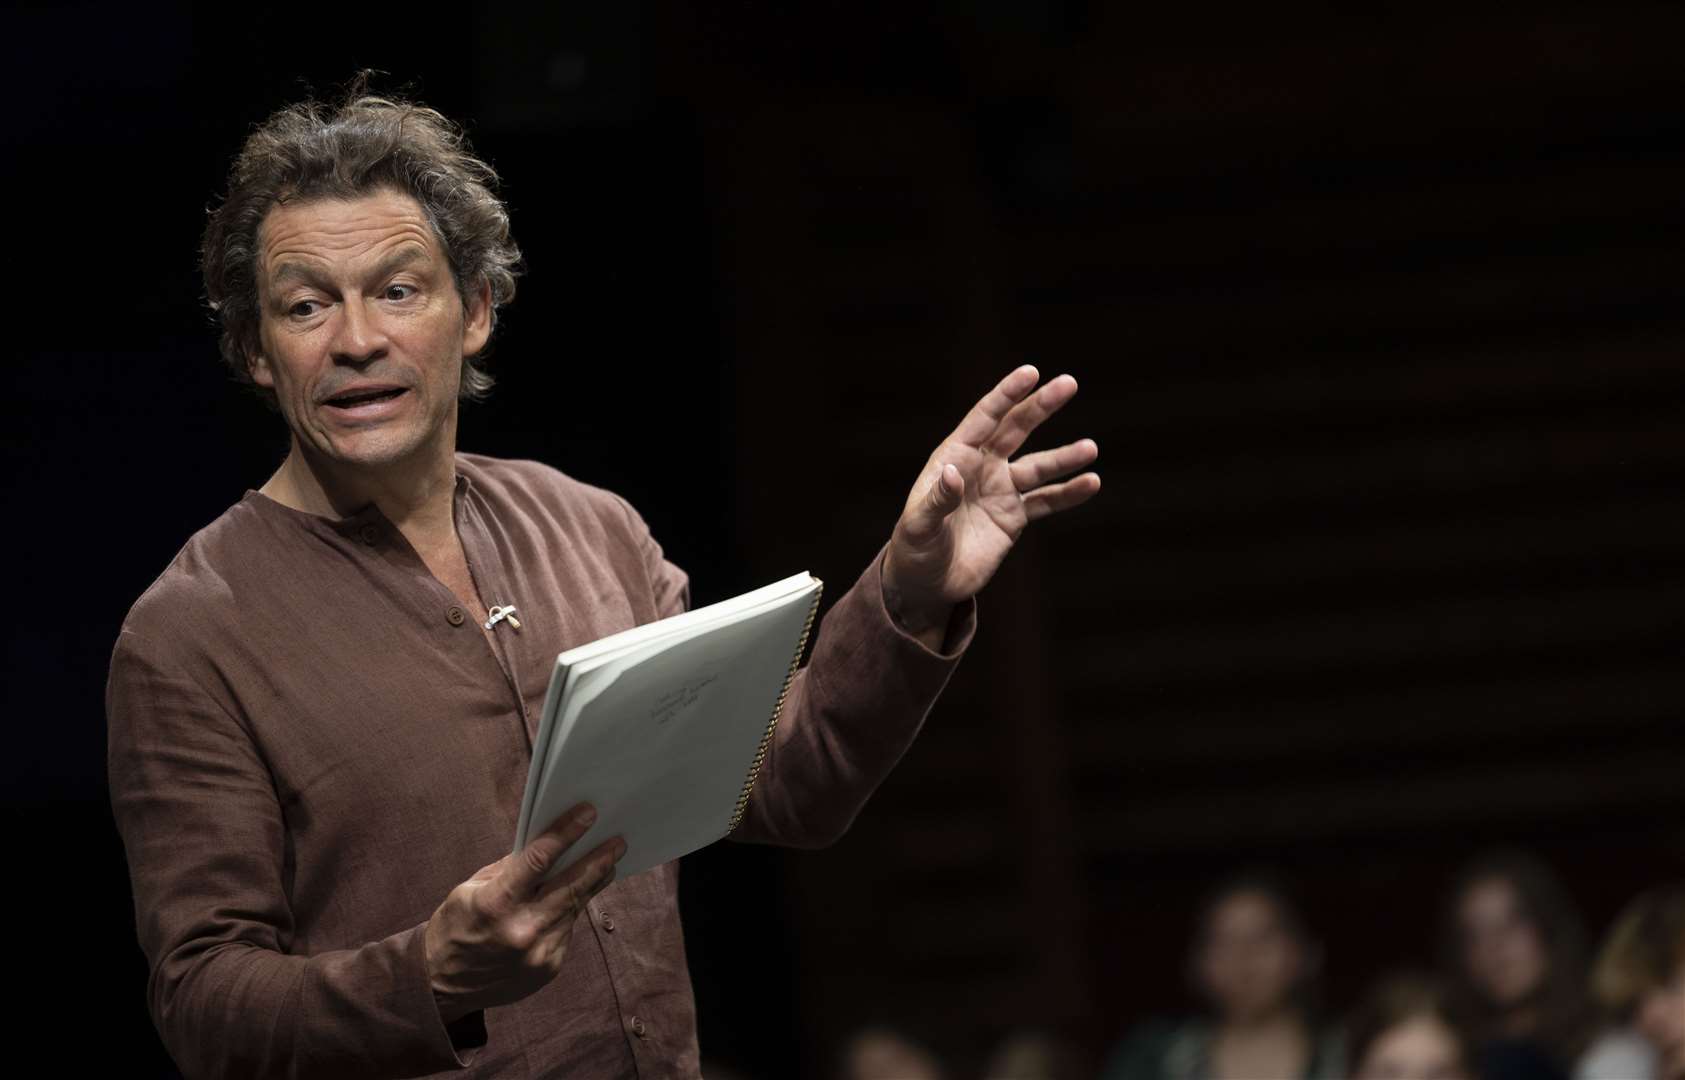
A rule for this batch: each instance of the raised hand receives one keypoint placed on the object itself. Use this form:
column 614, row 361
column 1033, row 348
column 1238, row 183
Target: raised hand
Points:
column 971, row 502
column 503, row 933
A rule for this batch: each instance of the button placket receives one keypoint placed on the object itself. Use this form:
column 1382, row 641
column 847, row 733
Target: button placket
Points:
column 482, row 565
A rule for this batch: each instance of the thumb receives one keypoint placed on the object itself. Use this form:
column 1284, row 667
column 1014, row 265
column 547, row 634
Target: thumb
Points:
column 942, row 497
column 948, row 489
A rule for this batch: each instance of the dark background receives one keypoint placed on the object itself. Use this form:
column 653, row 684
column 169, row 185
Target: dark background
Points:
column 1378, row 322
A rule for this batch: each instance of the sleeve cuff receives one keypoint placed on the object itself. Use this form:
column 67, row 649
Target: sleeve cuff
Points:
column 459, row 1041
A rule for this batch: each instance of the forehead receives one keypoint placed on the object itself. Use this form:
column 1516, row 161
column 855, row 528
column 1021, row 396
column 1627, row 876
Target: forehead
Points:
column 332, row 230
column 1488, row 898
column 1417, row 1038
column 1243, row 911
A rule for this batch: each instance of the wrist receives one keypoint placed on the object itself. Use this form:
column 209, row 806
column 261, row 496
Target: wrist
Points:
column 928, row 623
column 451, row 1008
column 921, row 614
column 918, row 619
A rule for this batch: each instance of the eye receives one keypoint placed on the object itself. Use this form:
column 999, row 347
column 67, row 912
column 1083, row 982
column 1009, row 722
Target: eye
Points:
column 399, row 292
column 303, row 309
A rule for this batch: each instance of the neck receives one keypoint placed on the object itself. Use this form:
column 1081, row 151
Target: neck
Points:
column 1518, row 1021
column 415, row 495
column 1282, row 1022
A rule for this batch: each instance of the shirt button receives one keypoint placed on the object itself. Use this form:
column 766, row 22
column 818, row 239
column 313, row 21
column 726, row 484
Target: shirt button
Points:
column 455, row 615
column 369, row 534
column 638, row 1027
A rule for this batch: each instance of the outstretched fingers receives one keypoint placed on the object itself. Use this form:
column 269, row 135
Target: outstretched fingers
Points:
column 1023, row 418
column 1033, row 470
column 1053, row 498
column 981, row 423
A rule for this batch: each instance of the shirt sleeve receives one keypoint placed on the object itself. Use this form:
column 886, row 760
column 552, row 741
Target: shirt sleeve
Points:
column 667, row 583
column 852, row 710
column 203, row 833
column 851, row 713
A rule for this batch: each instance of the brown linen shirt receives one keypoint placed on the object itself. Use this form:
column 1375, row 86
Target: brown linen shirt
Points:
column 311, row 743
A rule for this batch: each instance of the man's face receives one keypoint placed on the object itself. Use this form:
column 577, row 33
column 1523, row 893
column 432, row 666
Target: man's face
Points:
column 362, row 332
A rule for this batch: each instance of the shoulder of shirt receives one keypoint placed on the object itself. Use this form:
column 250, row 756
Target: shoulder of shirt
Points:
column 1328, row 1061
column 196, row 589
column 1616, row 1052
column 523, row 481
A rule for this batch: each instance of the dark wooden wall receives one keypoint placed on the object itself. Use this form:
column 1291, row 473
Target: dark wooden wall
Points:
column 1378, row 322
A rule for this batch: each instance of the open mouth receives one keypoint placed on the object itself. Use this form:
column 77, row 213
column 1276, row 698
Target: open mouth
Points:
column 364, row 397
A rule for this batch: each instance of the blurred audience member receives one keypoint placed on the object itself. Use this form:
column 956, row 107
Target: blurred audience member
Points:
column 1032, row 1055
column 1405, row 1030
column 880, row 1052
column 1514, row 952
column 1255, row 963
column 1640, row 978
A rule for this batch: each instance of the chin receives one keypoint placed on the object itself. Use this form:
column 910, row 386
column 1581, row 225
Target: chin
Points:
column 374, row 450
column 386, row 458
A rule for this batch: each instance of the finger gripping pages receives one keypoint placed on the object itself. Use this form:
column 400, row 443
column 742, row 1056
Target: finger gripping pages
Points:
column 538, row 857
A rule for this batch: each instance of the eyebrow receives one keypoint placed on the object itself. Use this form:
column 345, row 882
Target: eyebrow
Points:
column 296, row 271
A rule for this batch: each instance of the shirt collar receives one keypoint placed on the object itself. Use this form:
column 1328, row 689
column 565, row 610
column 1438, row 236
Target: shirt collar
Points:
column 367, row 525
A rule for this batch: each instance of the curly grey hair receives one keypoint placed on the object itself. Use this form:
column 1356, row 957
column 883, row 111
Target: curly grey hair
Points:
column 364, row 142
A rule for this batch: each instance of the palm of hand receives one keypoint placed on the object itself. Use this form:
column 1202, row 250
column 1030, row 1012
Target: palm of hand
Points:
column 980, row 530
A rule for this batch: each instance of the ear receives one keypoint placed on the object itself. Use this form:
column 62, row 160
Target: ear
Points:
column 258, row 366
column 477, row 320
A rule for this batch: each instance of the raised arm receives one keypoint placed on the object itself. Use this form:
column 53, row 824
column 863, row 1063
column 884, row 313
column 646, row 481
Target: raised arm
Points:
column 888, row 645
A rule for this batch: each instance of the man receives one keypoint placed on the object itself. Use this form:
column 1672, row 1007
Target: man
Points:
column 319, row 725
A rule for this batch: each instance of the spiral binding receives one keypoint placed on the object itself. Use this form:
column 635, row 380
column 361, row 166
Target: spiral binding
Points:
column 772, row 725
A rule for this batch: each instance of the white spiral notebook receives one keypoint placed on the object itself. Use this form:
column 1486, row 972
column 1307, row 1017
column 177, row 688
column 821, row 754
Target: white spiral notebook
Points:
column 663, row 727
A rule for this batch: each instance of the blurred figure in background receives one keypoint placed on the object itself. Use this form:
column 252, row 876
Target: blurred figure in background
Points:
column 1405, row 1030
column 1256, row 964
column 1640, row 978
column 880, row 1052
column 1031, row 1054
column 1513, row 952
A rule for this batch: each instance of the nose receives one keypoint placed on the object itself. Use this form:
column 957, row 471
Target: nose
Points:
column 359, row 337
